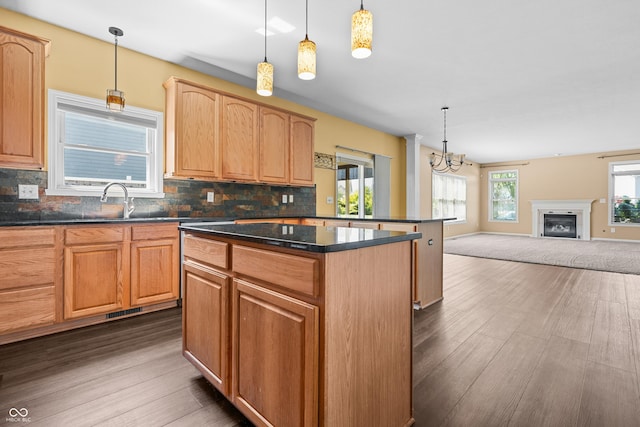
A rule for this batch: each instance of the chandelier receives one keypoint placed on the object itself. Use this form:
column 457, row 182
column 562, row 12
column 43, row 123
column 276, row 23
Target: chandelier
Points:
column 446, row 162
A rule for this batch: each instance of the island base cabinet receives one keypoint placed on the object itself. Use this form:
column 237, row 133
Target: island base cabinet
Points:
column 275, row 357
column 205, row 323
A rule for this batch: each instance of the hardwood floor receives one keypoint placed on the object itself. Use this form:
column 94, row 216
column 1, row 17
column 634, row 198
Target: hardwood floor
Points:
column 512, row 344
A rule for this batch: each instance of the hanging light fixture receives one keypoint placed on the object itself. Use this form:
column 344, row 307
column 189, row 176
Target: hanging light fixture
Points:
column 307, row 53
column 446, row 162
column 115, row 97
column 264, row 82
column 361, row 33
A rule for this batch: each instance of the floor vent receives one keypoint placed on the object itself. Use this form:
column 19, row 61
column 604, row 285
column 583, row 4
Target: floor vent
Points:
column 124, row 312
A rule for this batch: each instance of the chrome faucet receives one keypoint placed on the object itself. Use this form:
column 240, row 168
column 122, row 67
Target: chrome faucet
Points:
column 128, row 202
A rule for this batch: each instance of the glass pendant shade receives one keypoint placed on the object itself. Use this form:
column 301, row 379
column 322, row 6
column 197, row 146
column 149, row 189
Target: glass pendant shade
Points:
column 264, row 85
column 115, row 100
column 307, row 59
column 361, row 33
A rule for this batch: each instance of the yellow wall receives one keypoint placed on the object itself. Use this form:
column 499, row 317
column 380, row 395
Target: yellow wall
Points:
column 84, row 66
column 560, row 178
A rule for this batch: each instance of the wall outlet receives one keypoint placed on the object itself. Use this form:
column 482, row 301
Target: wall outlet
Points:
column 210, row 196
column 28, row 192
column 329, row 200
column 290, row 198
column 284, row 198
column 613, row 230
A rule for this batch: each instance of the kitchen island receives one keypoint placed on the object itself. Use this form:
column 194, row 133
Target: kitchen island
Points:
column 301, row 325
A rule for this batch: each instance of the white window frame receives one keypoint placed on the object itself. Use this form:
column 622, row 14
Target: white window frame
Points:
column 361, row 162
column 56, row 184
column 610, row 215
column 490, row 195
column 466, row 206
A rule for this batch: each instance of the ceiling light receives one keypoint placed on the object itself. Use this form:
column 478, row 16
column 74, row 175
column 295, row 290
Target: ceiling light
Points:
column 264, row 81
column 307, row 53
column 361, row 33
column 281, row 25
column 446, row 162
column 115, row 97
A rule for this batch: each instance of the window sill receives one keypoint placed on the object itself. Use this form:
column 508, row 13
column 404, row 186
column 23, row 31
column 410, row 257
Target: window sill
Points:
column 116, row 192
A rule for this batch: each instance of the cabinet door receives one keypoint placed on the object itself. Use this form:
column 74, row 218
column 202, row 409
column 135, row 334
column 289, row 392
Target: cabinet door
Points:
column 275, row 357
column 274, row 146
column 154, row 271
column 21, row 99
column 93, row 280
column 193, row 149
column 239, row 139
column 301, row 151
column 205, row 323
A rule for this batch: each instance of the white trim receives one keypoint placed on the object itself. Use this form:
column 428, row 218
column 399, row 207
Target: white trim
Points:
column 606, row 239
column 517, row 199
column 55, row 173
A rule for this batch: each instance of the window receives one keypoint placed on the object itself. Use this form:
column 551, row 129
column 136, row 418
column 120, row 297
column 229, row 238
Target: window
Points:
column 503, row 193
column 449, row 197
column 354, row 177
column 90, row 146
column 624, row 193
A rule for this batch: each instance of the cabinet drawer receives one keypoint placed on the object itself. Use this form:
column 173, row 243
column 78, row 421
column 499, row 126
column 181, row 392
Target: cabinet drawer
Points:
column 93, row 235
column 293, row 272
column 26, row 236
column 206, row 251
column 26, row 308
column 399, row 226
column 154, row 231
column 26, row 267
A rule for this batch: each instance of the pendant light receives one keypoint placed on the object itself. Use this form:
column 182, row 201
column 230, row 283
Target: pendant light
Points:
column 264, row 82
column 361, row 33
column 446, row 162
column 115, row 97
column 307, row 53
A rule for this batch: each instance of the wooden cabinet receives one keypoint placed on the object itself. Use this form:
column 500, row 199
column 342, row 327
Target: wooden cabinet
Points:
column 29, row 271
column 239, row 139
column 274, row 146
column 192, row 146
column 316, row 339
column 206, row 331
column 275, row 356
column 94, row 279
column 155, row 264
column 212, row 135
column 110, row 268
column 301, row 151
column 22, row 60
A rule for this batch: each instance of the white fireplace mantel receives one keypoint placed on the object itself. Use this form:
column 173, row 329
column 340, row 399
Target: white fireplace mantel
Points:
column 581, row 206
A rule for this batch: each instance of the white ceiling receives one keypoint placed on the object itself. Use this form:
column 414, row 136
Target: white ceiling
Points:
column 521, row 79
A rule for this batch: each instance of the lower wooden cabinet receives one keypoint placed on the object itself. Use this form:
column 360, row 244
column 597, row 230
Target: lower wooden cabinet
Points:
column 275, row 356
column 205, row 323
column 29, row 278
column 112, row 267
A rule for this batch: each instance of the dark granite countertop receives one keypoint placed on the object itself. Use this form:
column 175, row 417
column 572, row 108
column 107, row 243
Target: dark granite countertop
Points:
column 383, row 219
column 72, row 221
column 304, row 237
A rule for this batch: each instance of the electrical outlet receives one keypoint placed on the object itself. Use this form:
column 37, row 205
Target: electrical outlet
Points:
column 329, row 200
column 210, row 196
column 613, row 229
column 27, row 191
column 290, row 198
column 284, row 198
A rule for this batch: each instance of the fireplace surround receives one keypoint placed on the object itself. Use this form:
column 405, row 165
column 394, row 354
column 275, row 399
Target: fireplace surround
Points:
column 561, row 218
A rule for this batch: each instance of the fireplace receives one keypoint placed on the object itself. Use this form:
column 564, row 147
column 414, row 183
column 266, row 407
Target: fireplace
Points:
column 560, row 225
column 569, row 219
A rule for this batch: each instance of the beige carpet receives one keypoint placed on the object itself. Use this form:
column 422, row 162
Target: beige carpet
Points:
column 619, row 257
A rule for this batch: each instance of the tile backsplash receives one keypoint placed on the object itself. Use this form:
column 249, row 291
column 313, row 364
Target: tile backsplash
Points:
column 183, row 198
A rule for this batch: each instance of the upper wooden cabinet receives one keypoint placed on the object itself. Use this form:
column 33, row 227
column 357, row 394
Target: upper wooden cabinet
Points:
column 301, row 151
column 22, row 99
column 239, row 139
column 213, row 135
column 274, row 146
column 193, row 138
